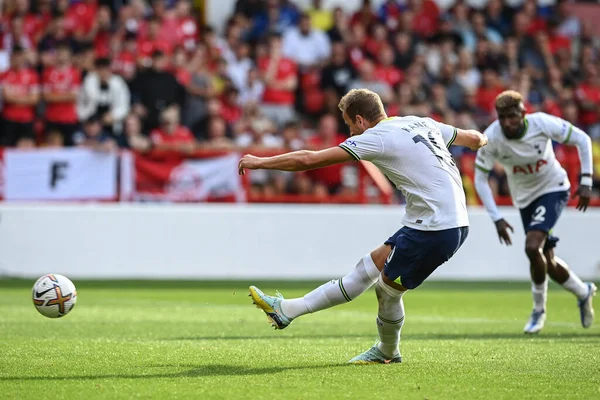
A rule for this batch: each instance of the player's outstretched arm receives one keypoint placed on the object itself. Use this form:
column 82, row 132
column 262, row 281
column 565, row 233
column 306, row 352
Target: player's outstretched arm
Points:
column 484, row 191
column 470, row 138
column 301, row 160
column 583, row 143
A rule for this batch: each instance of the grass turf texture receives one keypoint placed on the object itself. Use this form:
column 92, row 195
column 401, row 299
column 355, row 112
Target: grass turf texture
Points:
column 205, row 340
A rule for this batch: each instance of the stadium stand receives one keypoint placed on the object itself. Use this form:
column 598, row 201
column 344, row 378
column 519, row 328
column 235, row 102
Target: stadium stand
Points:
column 152, row 76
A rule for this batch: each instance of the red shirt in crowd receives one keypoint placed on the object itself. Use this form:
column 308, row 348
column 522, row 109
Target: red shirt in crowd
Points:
column 181, row 135
column 486, row 97
column 147, row 46
column 61, row 80
column 22, row 83
column 587, row 92
column 33, row 26
column 81, row 16
column 329, row 176
column 390, row 74
column 231, row 113
column 559, row 42
column 286, row 69
column 124, row 64
column 425, row 21
column 187, row 33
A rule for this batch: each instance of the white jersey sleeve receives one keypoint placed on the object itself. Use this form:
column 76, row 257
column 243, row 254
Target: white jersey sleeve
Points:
column 564, row 132
column 556, row 128
column 448, row 132
column 366, row 146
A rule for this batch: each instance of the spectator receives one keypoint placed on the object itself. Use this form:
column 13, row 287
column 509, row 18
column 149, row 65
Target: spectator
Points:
column 488, row 91
column 217, row 136
column 54, row 139
column 125, row 61
column 281, row 80
column 254, row 90
column 230, row 106
column 496, row 17
column 339, row 72
column 33, row 23
column 327, row 135
column 155, row 90
column 61, row 85
column 365, row 15
column 321, row 18
column 25, row 143
column 340, row 32
column 133, row 136
column 385, row 70
column 20, row 95
column 467, row 75
column 405, row 50
column 276, row 17
column 180, row 66
column 239, row 66
column 186, row 26
column 17, row 35
column 93, row 136
column 588, row 96
column 170, row 134
column 250, row 8
column 390, row 12
column 152, row 43
column 367, row 80
column 199, row 89
column 106, row 95
column 81, row 20
column 307, row 46
column 56, row 35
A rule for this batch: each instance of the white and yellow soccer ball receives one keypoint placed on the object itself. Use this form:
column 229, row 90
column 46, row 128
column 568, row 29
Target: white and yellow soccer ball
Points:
column 54, row 295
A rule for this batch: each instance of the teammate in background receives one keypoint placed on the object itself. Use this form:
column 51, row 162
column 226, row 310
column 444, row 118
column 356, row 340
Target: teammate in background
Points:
column 413, row 153
column 540, row 189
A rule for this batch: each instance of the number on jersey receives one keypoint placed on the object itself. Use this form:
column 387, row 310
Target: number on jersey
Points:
column 431, row 143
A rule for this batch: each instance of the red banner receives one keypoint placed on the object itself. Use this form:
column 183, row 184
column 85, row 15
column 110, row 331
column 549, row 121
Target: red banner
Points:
column 180, row 178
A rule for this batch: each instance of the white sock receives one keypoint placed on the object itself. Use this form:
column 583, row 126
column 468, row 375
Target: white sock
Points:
column 335, row 292
column 540, row 292
column 576, row 286
column 390, row 318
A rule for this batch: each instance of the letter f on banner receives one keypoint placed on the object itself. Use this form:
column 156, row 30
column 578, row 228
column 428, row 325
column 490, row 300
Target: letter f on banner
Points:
column 57, row 172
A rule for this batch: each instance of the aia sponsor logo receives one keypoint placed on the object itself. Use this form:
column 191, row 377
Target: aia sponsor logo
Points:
column 528, row 169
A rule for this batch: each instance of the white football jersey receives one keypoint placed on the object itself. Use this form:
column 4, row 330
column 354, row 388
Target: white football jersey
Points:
column 529, row 161
column 413, row 153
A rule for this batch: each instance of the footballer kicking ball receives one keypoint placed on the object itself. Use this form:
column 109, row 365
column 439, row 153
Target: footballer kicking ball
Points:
column 54, row 296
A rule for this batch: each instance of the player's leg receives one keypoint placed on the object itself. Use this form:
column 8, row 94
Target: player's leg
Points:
column 416, row 255
column 534, row 244
column 538, row 219
column 282, row 311
column 559, row 271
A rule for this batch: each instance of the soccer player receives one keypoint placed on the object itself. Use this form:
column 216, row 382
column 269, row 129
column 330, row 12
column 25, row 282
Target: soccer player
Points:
column 413, row 153
column 539, row 187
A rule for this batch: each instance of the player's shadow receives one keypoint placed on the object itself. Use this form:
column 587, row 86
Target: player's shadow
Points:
column 194, row 372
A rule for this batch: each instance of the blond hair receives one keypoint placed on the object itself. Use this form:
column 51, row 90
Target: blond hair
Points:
column 362, row 102
column 508, row 99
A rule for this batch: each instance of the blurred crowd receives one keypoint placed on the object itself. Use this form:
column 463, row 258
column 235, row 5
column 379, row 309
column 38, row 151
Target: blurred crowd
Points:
column 150, row 75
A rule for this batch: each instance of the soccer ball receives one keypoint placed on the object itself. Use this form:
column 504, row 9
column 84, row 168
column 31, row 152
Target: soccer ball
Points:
column 54, row 296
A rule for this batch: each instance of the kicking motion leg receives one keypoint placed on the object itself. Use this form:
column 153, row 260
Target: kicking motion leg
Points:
column 281, row 312
column 559, row 271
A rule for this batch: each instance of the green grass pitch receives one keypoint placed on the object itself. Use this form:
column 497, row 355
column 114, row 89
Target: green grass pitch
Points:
column 205, row 340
